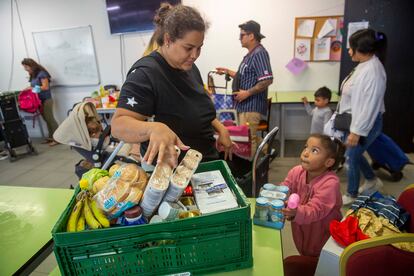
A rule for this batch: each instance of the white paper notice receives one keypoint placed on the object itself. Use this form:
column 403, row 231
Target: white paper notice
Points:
column 355, row 26
column 328, row 28
column 306, row 28
column 302, row 48
column 321, row 48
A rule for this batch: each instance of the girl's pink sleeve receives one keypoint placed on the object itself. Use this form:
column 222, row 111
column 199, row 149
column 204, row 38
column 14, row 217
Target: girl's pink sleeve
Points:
column 291, row 176
column 321, row 203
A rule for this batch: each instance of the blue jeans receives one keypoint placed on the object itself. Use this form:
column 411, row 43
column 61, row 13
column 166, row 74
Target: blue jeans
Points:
column 357, row 162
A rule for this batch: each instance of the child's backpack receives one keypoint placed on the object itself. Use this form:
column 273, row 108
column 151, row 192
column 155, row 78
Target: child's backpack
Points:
column 29, row 101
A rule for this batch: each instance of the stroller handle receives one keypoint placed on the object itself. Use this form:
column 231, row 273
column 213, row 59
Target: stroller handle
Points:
column 112, row 156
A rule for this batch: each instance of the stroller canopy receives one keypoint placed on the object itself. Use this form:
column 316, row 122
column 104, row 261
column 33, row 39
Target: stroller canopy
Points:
column 73, row 130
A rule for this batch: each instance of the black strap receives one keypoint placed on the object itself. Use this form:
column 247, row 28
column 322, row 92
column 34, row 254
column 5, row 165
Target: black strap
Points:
column 104, row 134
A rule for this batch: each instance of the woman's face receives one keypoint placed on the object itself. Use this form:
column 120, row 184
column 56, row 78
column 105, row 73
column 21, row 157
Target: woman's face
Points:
column 183, row 52
column 28, row 69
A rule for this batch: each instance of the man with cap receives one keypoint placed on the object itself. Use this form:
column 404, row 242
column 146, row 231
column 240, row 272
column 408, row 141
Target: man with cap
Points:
column 252, row 79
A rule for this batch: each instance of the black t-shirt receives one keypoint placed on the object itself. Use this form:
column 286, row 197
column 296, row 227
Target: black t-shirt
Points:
column 175, row 98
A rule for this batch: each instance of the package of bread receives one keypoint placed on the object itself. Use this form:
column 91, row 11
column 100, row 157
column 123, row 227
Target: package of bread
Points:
column 156, row 188
column 182, row 175
column 133, row 198
column 121, row 191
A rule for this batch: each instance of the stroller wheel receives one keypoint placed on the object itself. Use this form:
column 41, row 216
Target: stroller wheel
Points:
column 396, row 176
column 32, row 150
column 12, row 155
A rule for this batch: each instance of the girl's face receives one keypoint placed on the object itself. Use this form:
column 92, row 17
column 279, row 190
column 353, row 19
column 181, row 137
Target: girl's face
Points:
column 315, row 157
column 182, row 53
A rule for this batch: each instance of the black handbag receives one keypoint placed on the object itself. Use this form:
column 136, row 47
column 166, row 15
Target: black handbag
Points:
column 343, row 121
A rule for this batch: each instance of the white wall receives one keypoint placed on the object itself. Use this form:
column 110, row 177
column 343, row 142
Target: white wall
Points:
column 221, row 46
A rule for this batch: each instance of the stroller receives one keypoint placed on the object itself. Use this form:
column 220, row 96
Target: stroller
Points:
column 13, row 128
column 74, row 131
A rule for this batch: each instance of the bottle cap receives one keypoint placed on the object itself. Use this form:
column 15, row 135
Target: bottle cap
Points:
column 278, row 204
column 269, row 186
column 133, row 212
column 261, row 201
column 282, row 188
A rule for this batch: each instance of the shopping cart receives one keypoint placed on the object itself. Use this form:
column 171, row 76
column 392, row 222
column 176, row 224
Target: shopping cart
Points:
column 223, row 103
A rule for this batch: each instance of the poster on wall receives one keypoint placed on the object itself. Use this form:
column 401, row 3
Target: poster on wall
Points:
column 328, row 28
column 306, row 28
column 336, row 49
column 321, row 48
column 355, row 26
column 302, row 48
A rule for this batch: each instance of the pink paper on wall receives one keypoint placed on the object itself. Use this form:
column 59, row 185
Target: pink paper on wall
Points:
column 296, row 66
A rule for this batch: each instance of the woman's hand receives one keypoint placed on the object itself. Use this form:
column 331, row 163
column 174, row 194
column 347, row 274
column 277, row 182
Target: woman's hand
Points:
column 289, row 213
column 352, row 140
column 225, row 141
column 162, row 141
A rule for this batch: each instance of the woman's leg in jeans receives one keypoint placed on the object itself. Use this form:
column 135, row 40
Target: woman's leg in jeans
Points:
column 357, row 162
column 48, row 117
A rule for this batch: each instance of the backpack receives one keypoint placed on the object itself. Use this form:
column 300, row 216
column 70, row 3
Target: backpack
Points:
column 29, row 101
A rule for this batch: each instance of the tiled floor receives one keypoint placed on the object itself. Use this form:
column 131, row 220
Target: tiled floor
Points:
column 54, row 167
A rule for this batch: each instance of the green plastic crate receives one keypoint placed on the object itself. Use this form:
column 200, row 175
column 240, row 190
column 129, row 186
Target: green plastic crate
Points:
column 210, row 243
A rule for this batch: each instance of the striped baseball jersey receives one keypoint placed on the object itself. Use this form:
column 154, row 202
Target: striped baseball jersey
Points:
column 255, row 67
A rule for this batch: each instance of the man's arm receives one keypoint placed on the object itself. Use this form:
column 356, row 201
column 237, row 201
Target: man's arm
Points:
column 241, row 95
column 260, row 86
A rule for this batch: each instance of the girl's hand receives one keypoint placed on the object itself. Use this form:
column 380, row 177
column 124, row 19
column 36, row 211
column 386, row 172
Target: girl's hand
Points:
column 162, row 141
column 352, row 140
column 289, row 213
column 225, row 141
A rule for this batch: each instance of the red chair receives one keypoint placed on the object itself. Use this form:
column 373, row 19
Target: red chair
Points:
column 264, row 124
column 299, row 265
column 376, row 256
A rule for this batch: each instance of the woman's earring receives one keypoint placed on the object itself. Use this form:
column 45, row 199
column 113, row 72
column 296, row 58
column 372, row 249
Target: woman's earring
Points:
column 168, row 45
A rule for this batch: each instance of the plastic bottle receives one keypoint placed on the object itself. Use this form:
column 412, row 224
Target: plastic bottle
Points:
column 293, row 201
column 276, row 216
column 262, row 209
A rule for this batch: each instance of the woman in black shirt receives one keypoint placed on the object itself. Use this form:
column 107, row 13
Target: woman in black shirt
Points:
column 167, row 85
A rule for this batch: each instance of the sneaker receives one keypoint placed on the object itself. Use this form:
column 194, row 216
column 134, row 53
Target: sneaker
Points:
column 373, row 184
column 347, row 199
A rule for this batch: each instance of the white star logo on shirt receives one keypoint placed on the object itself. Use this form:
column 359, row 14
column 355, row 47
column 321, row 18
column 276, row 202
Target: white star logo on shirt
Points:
column 131, row 102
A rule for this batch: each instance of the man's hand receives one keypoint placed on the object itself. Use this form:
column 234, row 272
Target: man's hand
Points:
column 224, row 70
column 352, row 140
column 241, row 95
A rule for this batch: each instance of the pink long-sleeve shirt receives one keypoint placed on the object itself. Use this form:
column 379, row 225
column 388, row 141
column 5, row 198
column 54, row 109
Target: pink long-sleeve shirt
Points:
column 320, row 202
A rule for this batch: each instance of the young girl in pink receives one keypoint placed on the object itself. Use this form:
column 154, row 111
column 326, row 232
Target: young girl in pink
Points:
column 318, row 187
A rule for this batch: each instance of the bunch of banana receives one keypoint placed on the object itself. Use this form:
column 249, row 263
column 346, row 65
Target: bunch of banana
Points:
column 86, row 213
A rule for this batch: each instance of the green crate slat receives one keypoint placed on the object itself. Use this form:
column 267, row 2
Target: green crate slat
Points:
column 210, row 243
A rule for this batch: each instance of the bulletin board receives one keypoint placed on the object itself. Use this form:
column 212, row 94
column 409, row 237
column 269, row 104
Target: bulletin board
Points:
column 68, row 55
column 318, row 38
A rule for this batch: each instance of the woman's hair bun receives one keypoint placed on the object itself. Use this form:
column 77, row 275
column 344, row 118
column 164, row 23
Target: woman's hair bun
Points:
column 161, row 13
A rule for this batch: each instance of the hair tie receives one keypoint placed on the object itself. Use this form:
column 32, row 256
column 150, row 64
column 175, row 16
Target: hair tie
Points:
column 379, row 36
